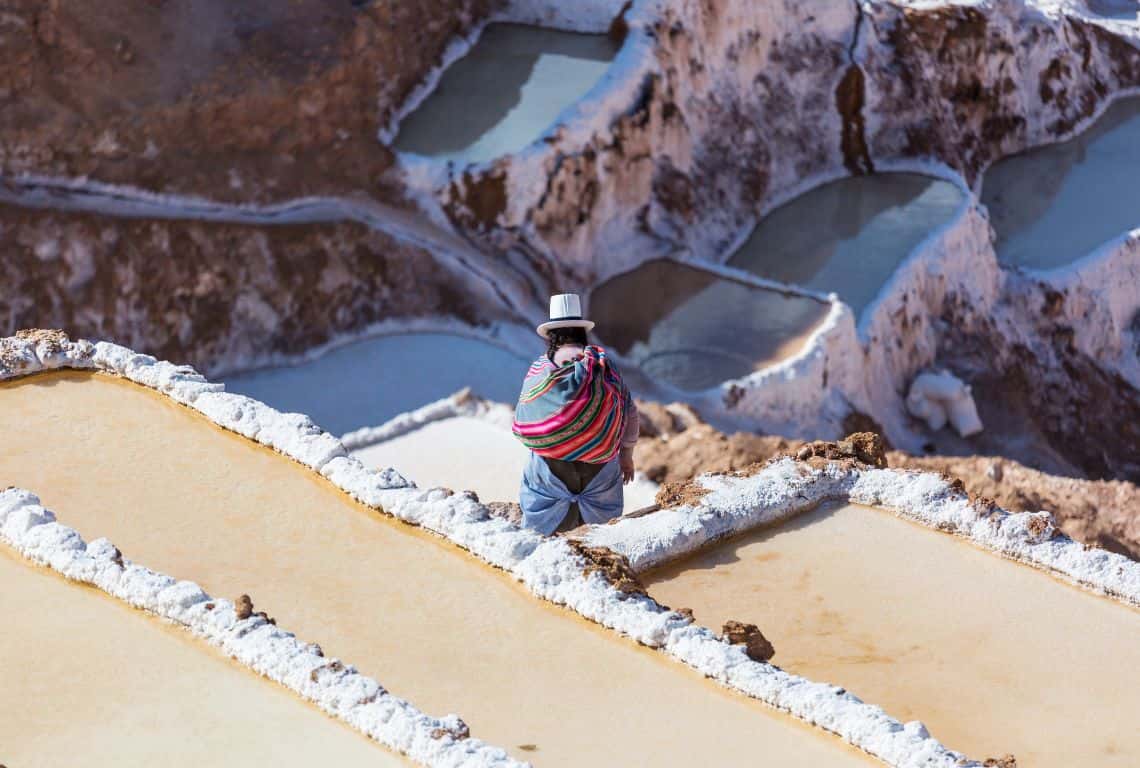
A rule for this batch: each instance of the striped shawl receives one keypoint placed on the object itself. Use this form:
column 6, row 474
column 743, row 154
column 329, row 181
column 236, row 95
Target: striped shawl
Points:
column 575, row 412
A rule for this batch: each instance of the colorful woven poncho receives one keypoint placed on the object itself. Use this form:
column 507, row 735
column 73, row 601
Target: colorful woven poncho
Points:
column 575, row 412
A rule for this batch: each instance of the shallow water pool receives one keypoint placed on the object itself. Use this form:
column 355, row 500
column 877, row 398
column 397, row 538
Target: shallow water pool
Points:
column 1054, row 205
column 505, row 92
column 368, row 382
column 695, row 329
column 847, row 237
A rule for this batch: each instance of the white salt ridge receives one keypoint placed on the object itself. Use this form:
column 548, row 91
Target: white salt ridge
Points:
column 551, row 570
column 461, row 403
column 786, row 488
column 335, row 687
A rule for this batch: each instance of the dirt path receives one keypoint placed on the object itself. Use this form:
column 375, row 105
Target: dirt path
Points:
column 89, row 681
column 994, row 657
column 428, row 621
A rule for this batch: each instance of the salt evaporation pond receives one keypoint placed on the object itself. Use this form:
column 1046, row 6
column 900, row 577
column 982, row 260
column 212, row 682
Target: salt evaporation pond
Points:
column 1051, row 206
column 368, row 382
column 465, row 453
column 91, row 681
column 849, row 236
column 993, row 656
column 1115, row 9
column 505, row 92
column 426, row 619
column 695, row 329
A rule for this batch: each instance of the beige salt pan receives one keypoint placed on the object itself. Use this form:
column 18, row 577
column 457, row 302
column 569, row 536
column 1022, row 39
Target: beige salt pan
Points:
column 89, row 681
column 460, row 453
column 426, row 619
column 991, row 655
column 465, row 453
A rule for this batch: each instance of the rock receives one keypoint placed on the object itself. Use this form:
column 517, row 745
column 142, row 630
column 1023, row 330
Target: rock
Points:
column 940, row 397
column 749, row 635
column 613, row 567
column 676, row 493
column 459, row 732
column 507, row 510
column 863, row 447
column 995, row 472
column 1005, row 761
column 243, row 607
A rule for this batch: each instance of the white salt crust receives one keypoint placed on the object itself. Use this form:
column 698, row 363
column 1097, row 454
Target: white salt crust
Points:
column 786, row 488
column 547, row 566
column 337, row 688
column 461, row 403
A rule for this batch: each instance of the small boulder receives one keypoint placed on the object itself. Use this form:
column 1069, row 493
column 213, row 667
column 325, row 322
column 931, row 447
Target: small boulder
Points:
column 1005, row 761
column 755, row 644
column 243, row 607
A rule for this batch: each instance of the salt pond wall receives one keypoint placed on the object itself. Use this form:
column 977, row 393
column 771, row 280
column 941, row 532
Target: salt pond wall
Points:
column 715, row 111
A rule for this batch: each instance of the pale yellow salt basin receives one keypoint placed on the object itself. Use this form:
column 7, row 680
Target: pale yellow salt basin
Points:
column 89, row 681
column 461, row 453
column 993, row 656
column 424, row 618
column 470, row 454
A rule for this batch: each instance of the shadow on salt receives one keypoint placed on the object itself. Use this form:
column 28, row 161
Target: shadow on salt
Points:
column 694, row 329
column 1054, row 205
column 369, row 382
column 505, row 92
column 849, row 236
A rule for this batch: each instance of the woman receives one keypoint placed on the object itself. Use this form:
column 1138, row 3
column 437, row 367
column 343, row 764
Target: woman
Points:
column 578, row 419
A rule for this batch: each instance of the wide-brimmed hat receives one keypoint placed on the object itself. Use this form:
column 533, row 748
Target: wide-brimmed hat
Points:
column 565, row 312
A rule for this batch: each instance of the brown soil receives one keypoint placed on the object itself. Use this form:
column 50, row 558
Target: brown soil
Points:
column 613, row 567
column 251, row 100
column 676, row 445
column 749, row 635
column 508, row 510
column 209, row 293
column 1098, row 512
column 674, row 493
column 679, row 447
column 1005, row 761
column 862, row 447
column 243, row 607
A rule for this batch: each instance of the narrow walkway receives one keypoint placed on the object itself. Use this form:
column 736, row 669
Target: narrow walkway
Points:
column 429, row 621
column 89, row 681
column 993, row 656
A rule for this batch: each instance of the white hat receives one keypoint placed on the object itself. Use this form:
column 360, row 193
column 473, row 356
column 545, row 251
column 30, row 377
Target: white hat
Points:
column 565, row 312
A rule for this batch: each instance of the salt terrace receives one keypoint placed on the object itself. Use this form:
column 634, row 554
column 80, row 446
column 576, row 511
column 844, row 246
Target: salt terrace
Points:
column 115, row 452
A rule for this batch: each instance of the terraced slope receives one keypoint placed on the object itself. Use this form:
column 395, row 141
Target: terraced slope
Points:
column 430, row 622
